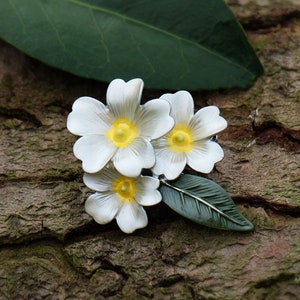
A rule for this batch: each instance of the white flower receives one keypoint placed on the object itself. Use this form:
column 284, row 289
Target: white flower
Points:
column 121, row 197
column 120, row 131
column 189, row 140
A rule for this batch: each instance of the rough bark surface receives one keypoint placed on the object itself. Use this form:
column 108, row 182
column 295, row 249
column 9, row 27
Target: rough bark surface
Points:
column 51, row 249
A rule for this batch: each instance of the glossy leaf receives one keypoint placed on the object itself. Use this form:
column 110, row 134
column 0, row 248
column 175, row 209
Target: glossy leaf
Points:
column 195, row 44
column 203, row 201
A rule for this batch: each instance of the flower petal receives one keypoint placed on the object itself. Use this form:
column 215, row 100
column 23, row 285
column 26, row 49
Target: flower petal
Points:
column 103, row 207
column 204, row 155
column 153, row 120
column 131, row 160
column 123, row 98
column 182, row 106
column 89, row 116
column 207, row 122
column 101, row 181
column 147, row 193
column 95, row 151
column 169, row 163
column 131, row 216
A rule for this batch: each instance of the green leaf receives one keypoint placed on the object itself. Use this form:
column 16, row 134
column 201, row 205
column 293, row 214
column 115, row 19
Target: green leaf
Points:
column 196, row 44
column 203, row 201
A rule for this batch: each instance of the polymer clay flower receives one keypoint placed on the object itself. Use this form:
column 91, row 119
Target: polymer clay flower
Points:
column 121, row 131
column 121, row 197
column 189, row 142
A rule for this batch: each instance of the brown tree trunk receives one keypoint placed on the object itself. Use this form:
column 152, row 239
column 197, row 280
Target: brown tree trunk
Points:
column 51, row 249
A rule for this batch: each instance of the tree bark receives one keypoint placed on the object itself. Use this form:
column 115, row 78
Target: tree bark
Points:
column 51, row 249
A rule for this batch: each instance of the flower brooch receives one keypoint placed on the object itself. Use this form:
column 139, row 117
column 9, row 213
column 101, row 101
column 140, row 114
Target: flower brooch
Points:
column 121, row 139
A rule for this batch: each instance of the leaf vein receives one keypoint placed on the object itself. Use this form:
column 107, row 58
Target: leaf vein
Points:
column 209, row 206
column 165, row 32
column 53, row 27
column 101, row 37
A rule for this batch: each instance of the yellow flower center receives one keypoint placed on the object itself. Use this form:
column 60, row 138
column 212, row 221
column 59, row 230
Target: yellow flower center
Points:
column 125, row 188
column 121, row 133
column 180, row 139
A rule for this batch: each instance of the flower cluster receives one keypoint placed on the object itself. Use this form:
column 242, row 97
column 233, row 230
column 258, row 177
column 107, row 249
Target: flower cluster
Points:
column 120, row 139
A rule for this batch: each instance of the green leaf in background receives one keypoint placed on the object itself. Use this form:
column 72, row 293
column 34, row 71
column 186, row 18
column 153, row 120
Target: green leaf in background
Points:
column 193, row 44
column 203, row 201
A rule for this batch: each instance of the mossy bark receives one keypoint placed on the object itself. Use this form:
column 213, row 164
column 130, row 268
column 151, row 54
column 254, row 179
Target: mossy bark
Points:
column 51, row 249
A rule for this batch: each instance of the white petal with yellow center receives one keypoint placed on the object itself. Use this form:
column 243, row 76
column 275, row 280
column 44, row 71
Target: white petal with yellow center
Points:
column 188, row 142
column 130, row 160
column 147, row 193
column 207, row 122
column 122, row 133
column 169, row 163
column 131, row 216
column 125, row 189
column 204, row 155
column 101, row 181
column 124, row 128
column 121, row 197
column 180, row 139
column 123, row 98
column 153, row 119
column 88, row 116
column 182, row 106
column 103, row 207
column 95, row 152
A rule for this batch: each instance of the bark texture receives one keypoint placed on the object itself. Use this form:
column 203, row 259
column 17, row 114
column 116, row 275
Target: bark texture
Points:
column 51, row 249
